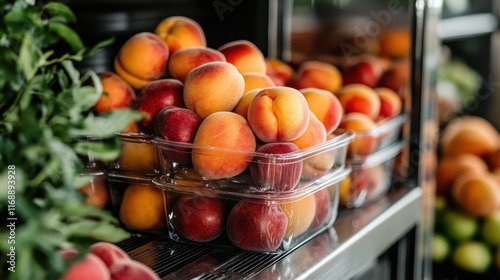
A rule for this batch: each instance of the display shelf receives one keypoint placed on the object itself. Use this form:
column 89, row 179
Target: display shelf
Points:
column 356, row 239
column 467, row 26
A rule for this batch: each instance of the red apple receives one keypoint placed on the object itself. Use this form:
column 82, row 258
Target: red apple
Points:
column 157, row 95
column 365, row 72
column 323, row 208
column 198, row 218
column 256, row 226
column 180, row 125
column 274, row 173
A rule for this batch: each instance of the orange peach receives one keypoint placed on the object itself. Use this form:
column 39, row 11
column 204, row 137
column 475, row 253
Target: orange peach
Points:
column 448, row 168
column 318, row 165
column 226, row 131
column 142, row 208
column 363, row 144
column 245, row 55
column 279, row 71
column 180, row 32
column 117, row 93
column 395, row 43
column 278, row 114
column 96, row 192
column 314, row 134
column 242, row 106
column 212, row 87
column 360, row 98
column 477, row 194
column 317, row 74
column 391, row 104
column 255, row 80
column 90, row 267
column 300, row 213
column 325, row 106
column 184, row 60
column 142, row 59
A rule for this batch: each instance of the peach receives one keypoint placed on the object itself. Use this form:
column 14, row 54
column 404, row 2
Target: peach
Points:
column 325, row 106
column 318, row 165
column 180, row 32
column 90, row 267
column 117, row 93
column 142, row 208
column 254, row 80
column 227, row 131
column 391, row 104
column 96, row 192
column 363, row 144
column 360, row 98
column 365, row 71
column 278, row 114
column 448, row 168
column 314, row 134
column 279, row 71
column 245, row 55
column 184, row 60
column 317, row 74
column 212, row 87
column 138, row 154
column 108, row 252
column 242, row 106
column 476, row 194
column 300, row 213
column 469, row 134
column 323, row 208
column 142, row 58
column 395, row 43
column 396, row 78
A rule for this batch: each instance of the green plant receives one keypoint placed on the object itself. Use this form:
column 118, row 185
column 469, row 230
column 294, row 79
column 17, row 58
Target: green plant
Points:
column 46, row 108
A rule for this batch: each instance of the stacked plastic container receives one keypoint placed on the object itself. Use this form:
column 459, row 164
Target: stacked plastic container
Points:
column 372, row 170
column 277, row 203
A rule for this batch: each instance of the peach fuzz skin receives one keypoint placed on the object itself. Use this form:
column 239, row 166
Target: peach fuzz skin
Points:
column 143, row 58
column 361, row 99
column 242, row 106
column 245, row 55
column 363, row 144
column 225, row 130
column 278, row 114
column 213, row 87
column 117, row 93
column 325, row 106
column 184, row 60
column 180, row 32
column 317, row 74
column 255, row 80
column 279, row 71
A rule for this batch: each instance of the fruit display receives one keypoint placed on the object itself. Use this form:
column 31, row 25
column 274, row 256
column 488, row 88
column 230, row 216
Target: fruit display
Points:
column 467, row 207
column 370, row 178
column 265, row 222
column 96, row 190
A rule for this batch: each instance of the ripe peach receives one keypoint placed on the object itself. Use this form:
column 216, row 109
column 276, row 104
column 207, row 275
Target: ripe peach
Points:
column 365, row 71
column 117, row 93
column 318, row 165
column 360, row 98
column 242, row 106
column 323, row 208
column 180, row 32
column 108, row 252
column 279, row 71
column 254, row 80
column 477, row 194
column 448, row 168
column 363, row 144
column 142, row 59
column 391, row 104
column 213, row 87
column 300, row 213
column 245, row 55
column 142, row 208
column 317, row 74
column 395, row 43
column 276, row 174
column 89, row 268
column 396, row 78
column 138, row 154
column 469, row 134
column 278, row 114
column 224, row 130
column 325, row 106
column 96, row 192
column 314, row 134
column 184, row 60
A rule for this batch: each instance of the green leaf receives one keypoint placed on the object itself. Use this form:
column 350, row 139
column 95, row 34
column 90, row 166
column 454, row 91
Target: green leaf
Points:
column 67, row 34
column 97, row 230
column 60, row 11
column 30, row 58
column 99, row 46
column 107, row 125
column 105, row 150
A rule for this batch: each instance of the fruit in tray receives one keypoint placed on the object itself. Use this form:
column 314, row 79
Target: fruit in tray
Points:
column 138, row 154
column 245, row 56
column 325, row 106
column 359, row 98
column 179, row 32
column 142, row 59
column 279, row 71
column 317, row 74
column 391, row 104
column 301, row 213
column 323, row 209
column 96, row 192
column 256, row 226
column 365, row 71
column 118, row 93
column 184, row 60
column 142, row 208
column 359, row 122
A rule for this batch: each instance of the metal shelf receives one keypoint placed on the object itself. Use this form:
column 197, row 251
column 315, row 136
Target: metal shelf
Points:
column 467, row 26
column 357, row 238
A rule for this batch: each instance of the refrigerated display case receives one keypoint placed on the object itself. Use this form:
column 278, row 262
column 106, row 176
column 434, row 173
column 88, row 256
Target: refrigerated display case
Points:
column 388, row 238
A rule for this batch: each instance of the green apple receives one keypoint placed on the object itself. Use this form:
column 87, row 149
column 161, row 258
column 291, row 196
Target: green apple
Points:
column 490, row 230
column 459, row 226
column 440, row 248
column 473, row 256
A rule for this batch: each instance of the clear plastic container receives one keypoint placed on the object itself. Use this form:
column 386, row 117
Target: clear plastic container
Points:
column 370, row 178
column 137, row 202
column 95, row 190
column 138, row 155
column 259, row 222
column 260, row 172
column 384, row 134
column 88, row 159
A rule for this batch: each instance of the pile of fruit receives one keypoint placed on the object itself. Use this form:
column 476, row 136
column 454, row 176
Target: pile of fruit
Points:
column 467, row 218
